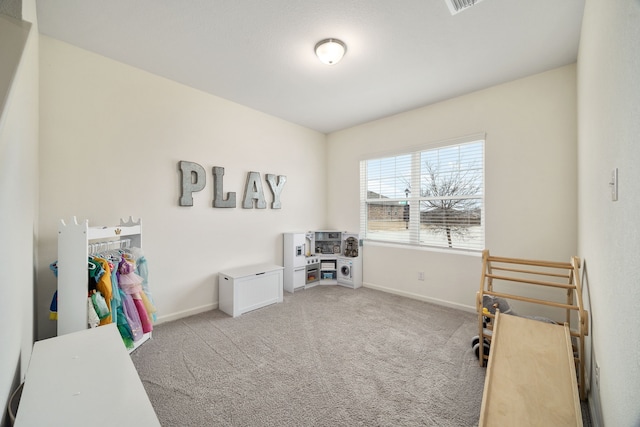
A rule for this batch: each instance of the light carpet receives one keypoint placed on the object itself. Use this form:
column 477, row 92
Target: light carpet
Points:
column 326, row 356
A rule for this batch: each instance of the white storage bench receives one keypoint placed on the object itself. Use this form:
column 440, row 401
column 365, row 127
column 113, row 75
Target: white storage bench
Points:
column 248, row 288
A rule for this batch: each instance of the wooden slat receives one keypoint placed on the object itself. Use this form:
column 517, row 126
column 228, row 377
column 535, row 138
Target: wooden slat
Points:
column 486, row 267
column 531, row 282
column 551, row 264
column 532, row 300
column 539, row 273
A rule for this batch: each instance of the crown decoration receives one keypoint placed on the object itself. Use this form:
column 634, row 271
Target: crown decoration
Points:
column 118, row 231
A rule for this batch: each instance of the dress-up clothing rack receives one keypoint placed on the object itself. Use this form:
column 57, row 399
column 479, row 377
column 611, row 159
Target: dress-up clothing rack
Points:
column 75, row 240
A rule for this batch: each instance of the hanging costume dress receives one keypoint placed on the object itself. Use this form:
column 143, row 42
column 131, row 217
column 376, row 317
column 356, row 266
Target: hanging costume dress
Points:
column 131, row 284
column 103, row 285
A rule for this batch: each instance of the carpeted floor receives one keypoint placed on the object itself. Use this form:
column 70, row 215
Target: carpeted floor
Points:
column 326, row 356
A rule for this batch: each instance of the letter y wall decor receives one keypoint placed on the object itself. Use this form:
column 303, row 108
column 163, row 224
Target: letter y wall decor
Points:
column 194, row 179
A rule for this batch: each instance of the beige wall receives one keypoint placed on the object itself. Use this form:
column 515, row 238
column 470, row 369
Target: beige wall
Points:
column 530, row 168
column 18, row 198
column 111, row 140
column 609, row 137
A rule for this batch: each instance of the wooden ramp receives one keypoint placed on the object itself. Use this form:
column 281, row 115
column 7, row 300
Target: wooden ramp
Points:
column 531, row 379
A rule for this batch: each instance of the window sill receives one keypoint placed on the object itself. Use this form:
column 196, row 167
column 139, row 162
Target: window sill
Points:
column 464, row 252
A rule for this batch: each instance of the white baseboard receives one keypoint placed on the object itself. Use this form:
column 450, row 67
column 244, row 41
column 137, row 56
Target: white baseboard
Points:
column 595, row 410
column 595, row 413
column 470, row 309
column 186, row 313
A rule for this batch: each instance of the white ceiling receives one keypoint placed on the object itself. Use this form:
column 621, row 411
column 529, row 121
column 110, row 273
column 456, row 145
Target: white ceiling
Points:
column 402, row 54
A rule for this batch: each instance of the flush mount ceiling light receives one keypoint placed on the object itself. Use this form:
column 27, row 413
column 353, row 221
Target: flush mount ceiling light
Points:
column 330, row 51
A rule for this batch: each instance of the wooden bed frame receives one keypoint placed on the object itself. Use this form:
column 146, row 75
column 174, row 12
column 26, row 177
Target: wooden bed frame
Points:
column 561, row 276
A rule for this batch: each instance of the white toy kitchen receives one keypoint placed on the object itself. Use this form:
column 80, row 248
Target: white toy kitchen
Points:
column 321, row 258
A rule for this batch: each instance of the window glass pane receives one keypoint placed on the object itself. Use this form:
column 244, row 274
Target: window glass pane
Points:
column 388, row 178
column 452, row 223
column 452, row 171
column 388, row 221
column 373, row 169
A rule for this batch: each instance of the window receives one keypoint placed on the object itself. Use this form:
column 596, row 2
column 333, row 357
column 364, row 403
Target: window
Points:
column 432, row 197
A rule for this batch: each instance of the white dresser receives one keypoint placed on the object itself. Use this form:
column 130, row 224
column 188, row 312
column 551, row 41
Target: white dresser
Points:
column 250, row 287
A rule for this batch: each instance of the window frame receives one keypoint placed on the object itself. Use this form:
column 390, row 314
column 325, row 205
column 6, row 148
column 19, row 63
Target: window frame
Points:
column 413, row 237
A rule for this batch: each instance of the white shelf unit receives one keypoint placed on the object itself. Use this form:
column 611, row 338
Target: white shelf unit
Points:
column 328, row 270
column 73, row 252
column 328, row 245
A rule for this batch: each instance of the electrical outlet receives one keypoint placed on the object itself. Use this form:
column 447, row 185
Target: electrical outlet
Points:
column 421, row 275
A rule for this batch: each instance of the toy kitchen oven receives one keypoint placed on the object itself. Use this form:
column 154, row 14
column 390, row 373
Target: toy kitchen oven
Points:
column 312, row 271
column 321, row 258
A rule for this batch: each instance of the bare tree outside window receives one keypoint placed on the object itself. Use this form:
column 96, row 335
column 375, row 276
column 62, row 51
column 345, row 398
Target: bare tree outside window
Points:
column 450, row 200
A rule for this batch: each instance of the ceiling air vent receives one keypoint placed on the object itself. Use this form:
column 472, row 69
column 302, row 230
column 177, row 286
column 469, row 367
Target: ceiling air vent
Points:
column 457, row 6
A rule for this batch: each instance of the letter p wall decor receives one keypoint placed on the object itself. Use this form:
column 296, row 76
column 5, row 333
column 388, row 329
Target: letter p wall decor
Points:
column 193, row 179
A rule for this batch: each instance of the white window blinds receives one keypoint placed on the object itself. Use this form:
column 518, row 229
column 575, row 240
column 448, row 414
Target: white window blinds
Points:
column 431, row 197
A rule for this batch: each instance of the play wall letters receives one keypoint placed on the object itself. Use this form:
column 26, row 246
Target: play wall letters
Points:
column 194, row 179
